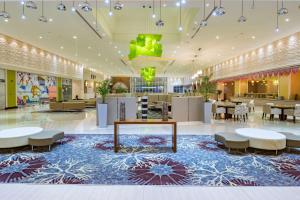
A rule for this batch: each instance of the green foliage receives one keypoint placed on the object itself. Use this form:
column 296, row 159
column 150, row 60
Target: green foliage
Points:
column 120, row 89
column 146, row 45
column 104, row 89
column 148, row 74
column 207, row 88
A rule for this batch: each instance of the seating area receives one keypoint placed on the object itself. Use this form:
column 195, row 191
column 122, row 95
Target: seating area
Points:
column 143, row 100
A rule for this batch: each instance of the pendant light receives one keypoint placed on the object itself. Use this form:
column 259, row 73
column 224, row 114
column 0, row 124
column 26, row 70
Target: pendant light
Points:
column 110, row 11
column 23, row 16
column 85, row 6
column 153, row 9
column 31, row 5
column 220, row 11
column 180, row 24
column 73, row 8
column 282, row 10
column 253, row 4
column 42, row 17
column 203, row 22
column 277, row 18
column 61, row 6
column 160, row 23
column 3, row 13
column 242, row 18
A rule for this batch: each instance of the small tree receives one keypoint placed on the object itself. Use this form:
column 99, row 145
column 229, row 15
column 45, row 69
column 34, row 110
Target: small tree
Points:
column 104, row 89
column 207, row 88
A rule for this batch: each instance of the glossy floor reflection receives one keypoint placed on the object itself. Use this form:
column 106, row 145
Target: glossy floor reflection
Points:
column 85, row 123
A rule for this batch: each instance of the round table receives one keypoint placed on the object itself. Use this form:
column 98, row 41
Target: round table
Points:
column 263, row 139
column 16, row 137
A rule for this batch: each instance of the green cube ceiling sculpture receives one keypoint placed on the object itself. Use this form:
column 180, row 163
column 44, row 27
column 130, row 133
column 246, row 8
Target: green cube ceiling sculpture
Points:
column 148, row 74
column 145, row 45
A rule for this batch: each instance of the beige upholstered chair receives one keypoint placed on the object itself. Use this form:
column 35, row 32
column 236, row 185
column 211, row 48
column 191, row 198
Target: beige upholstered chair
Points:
column 239, row 112
column 251, row 105
column 268, row 110
column 217, row 111
column 293, row 112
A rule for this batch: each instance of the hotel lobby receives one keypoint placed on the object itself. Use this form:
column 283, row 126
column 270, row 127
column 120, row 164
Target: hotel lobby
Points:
column 154, row 99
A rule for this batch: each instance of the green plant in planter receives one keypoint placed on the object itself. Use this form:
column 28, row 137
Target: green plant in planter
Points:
column 104, row 89
column 120, row 89
column 207, row 88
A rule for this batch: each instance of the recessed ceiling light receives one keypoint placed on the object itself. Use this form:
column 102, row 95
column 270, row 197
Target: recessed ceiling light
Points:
column 61, row 47
column 177, row 4
column 89, row 47
column 50, row 20
column 164, row 5
column 115, row 47
column 233, row 48
column 74, row 37
column 207, row 4
column 41, row 37
column 119, row 52
column 253, row 37
column 217, row 37
column 99, row 54
column 287, row 19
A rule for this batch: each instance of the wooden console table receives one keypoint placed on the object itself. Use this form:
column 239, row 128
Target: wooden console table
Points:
column 149, row 121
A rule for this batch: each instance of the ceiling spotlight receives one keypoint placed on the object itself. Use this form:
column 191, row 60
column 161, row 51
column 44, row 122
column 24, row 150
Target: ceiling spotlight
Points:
column 23, row 17
column 61, row 7
column 177, row 4
column 85, row 6
column 73, row 9
column 118, row 5
column 160, row 23
column 153, row 16
column 180, row 28
column 277, row 29
column 30, row 4
column 110, row 13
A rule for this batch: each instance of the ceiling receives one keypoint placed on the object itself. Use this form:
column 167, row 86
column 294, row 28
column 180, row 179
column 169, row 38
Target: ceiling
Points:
column 222, row 39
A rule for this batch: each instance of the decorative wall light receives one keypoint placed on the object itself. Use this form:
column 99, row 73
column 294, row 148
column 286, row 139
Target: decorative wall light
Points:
column 146, row 45
column 148, row 74
column 86, row 7
column 42, row 17
column 242, row 18
column 61, row 6
column 3, row 13
column 160, row 22
column 31, row 5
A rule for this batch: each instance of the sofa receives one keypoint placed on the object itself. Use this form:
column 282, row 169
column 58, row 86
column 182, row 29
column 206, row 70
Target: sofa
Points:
column 66, row 106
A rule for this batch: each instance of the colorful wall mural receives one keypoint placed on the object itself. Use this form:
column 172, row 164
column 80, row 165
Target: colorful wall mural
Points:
column 32, row 87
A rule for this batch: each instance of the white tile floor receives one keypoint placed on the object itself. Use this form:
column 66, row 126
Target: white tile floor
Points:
column 84, row 123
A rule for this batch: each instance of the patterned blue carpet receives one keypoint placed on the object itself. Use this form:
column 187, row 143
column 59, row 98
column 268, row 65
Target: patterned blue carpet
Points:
column 148, row 160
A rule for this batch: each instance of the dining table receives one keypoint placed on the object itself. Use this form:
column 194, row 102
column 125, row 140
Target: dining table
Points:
column 282, row 108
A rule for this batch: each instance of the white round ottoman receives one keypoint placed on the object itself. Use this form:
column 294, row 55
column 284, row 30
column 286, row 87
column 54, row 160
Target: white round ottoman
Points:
column 16, row 137
column 263, row 139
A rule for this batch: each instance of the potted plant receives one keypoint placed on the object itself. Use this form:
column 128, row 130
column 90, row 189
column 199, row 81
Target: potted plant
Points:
column 206, row 89
column 103, row 89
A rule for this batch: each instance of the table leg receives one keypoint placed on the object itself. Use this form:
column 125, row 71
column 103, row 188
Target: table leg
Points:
column 174, row 138
column 116, row 138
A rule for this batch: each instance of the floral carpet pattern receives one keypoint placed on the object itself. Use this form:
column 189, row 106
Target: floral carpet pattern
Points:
column 147, row 160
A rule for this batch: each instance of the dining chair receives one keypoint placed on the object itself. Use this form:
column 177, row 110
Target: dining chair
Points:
column 217, row 111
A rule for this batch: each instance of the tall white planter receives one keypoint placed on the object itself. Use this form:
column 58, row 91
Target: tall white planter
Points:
column 207, row 112
column 102, row 115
